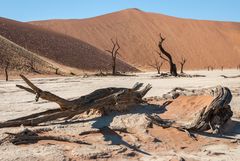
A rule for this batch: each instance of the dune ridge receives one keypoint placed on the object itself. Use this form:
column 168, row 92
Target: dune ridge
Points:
column 59, row 48
column 203, row 43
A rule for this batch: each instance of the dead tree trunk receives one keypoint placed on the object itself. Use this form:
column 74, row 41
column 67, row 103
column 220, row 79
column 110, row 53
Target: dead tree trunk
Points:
column 29, row 137
column 238, row 67
column 104, row 100
column 56, row 71
column 172, row 65
column 6, row 70
column 114, row 53
column 211, row 117
column 182, row 63
column 157, row 64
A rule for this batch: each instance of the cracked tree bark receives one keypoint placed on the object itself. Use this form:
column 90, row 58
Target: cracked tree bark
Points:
column 214, row 116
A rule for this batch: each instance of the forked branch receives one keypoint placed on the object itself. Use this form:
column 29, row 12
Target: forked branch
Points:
column 105, row 100
column 114, row 53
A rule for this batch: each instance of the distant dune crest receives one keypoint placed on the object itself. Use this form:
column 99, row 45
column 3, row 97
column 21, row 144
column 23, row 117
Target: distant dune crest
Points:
column 81, row 44
column 61, row 49
column 203, row 43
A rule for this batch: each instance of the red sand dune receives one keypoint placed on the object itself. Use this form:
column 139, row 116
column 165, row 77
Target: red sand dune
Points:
column 57, row 47
column 22, row 60
column 203, row 43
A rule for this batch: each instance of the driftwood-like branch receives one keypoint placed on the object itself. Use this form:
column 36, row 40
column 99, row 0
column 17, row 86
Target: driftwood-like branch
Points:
column 216, row 114
column 236, row 76
column 29, row 137
column 157, row 120
column 213, row 116
column 105, row 100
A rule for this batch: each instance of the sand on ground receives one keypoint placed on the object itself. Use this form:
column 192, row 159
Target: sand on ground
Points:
column 173, row 144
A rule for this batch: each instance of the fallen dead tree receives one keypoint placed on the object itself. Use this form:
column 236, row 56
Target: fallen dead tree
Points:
column 31, row 136
column 236, row 76
column 168, row 75
column 104, row 100
column 211, row 117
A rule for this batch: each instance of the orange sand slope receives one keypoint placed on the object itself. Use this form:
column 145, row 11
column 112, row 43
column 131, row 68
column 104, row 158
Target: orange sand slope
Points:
column 22, row 60
column 203, row 43
column 57, row 47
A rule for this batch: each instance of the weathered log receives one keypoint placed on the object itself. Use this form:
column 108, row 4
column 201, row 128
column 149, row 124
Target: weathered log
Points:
column 105, row 100
column 216, row 114
column 236, row 76
column 213, row 116
column 28, row 137
column 157, row 120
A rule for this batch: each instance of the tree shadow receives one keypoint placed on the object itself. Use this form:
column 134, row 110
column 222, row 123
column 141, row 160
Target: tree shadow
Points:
column 103, row 123
column 106, row 120
column 116, row 139
column 231, row 130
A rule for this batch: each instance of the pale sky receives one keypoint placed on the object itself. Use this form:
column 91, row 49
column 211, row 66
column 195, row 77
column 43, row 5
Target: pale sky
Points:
column 28, row 10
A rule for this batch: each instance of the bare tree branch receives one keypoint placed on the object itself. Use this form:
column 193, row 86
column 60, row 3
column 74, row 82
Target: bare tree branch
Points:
column 156, row 64
column 162, row 56
column 114, row 53
column 173, row 68
column 182, row 62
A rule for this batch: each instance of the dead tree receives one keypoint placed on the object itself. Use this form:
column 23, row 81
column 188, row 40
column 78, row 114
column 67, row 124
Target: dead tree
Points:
column 210, row 68
column 29, row 137
column 31, row 65
column 103, row 100
column 182, row 63
column 56, row 71
column 238, row 67
column 114, row 53
column 5, row 63
column 172, row 65
column 6, row 70
column 156, row 64
column 211, row 117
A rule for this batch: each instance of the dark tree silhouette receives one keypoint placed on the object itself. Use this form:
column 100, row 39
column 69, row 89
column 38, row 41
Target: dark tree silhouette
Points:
column 156, row 64
column 5, row 63
column 56, row 71
column 238, row 67
column 6, row 69
column 182, row 63
column 114, row 53
column 210, row 68
column 172, row 65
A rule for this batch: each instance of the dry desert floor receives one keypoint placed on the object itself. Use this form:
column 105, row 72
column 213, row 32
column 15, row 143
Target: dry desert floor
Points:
column 170, row 145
